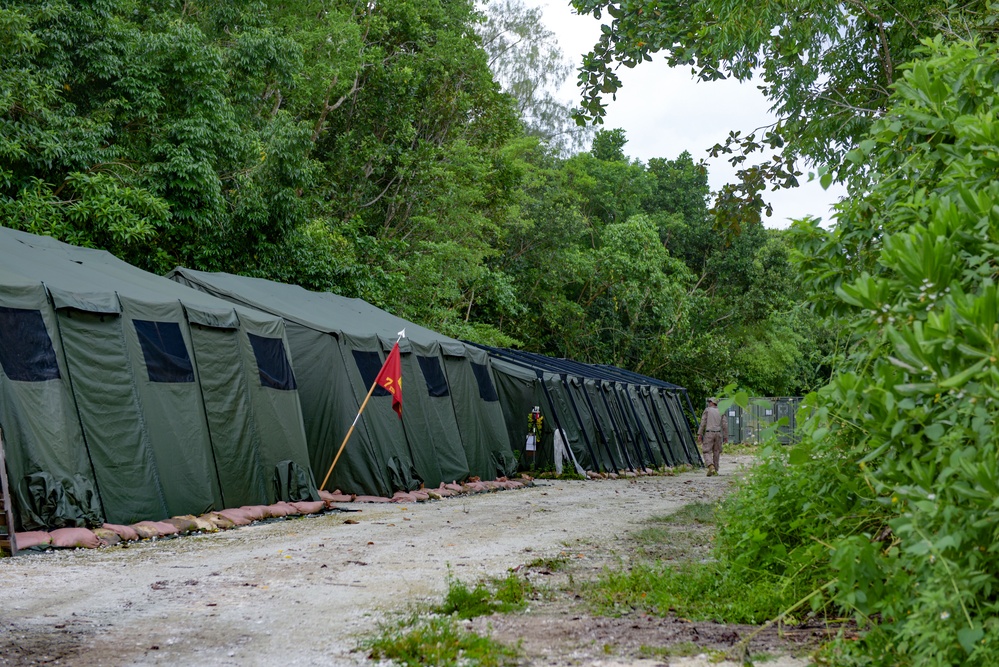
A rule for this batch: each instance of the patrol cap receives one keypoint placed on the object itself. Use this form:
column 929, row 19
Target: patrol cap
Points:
column 713, row 400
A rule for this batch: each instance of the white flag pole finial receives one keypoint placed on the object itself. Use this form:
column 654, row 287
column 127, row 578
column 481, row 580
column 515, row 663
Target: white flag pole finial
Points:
column 402, row 334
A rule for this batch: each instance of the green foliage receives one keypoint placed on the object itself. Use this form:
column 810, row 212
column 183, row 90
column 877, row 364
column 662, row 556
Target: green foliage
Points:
column 438, row 641
column 484, row 598
column 368, row 150
column 700, row 592
column 529, row 65
column 827, row 68
column 890, row 496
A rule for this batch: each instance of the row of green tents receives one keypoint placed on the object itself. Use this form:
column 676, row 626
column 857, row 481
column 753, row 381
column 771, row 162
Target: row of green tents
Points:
column 127, row 396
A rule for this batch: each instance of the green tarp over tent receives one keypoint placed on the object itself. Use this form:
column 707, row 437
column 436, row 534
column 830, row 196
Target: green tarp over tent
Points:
column 125, row 396
column 452, row 424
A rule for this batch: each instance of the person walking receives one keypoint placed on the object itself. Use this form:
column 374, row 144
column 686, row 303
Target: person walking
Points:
column 711, row 434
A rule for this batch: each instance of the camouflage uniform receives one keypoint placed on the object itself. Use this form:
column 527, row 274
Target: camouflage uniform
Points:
column 711, row 434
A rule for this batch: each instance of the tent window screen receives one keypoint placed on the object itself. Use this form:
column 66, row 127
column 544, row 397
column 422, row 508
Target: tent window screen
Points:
column 487, row 392
column 434, row 375
column 26, row 351
column 164, row 350
column 369, row 364
column 272, row 363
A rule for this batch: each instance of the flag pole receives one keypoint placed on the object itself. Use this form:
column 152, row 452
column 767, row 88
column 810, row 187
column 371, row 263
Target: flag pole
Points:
column 402, row 334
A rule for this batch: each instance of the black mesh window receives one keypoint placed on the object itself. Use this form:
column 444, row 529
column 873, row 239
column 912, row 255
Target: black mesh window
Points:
column 487, row 392
column 26, row 352
column 369, row 363
column 434, row 375
column 272, row 363
column 165, row 352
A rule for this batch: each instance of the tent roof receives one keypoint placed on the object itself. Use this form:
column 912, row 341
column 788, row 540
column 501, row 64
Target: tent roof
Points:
column 88, row 279
column 577, row 368
column 321, row 311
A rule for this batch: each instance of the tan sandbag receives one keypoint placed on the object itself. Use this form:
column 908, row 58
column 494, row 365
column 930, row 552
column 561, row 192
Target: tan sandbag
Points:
column 403, row 497
column 455, row 487
column 340, row 498
column 183, row 524
column 33, row 538
column 126, row 533
column 309, row 506
column 203, row 525
column 237, row 517
column 282, row 509
column 421, row 495
column 492, row 486
column 371, row 499
column 256, row 512
column 444, row 492
column 74, row 538
column 165, row 528
column 146, row 529
column 107, row 537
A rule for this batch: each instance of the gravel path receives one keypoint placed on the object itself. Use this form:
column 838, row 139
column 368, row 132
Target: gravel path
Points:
column 303, row 591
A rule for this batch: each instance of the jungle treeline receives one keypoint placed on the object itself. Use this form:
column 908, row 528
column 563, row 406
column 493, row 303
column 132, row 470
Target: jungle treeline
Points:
column 389, row 151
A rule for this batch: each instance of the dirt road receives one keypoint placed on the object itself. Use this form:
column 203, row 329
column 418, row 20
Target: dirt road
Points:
column 303, row 591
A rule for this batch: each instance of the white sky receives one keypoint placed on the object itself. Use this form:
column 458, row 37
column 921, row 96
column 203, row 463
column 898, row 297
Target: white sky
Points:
column 666, row 111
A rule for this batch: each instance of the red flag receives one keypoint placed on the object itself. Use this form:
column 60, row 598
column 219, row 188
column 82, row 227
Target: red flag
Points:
column 390, row 378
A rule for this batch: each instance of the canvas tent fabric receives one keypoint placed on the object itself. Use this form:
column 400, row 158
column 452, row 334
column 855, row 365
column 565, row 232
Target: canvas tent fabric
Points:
column 125, row 396
column 612, row 419
column 452, row 424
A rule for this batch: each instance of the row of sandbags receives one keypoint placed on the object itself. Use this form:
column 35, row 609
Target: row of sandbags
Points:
column 422, row 495
column 109, row 534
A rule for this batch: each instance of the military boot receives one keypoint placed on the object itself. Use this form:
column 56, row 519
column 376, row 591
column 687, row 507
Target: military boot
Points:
column 711, row 470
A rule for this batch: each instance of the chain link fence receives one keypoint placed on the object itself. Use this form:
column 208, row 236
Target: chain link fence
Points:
column 746, row 425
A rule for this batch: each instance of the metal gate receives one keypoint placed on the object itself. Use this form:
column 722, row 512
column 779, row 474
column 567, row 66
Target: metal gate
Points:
column 747, row 425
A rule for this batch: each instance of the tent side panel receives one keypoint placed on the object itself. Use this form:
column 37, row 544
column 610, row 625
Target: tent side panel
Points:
column 277, row 408
column 173, row 415
column 227, row 406
column 480, row 421
column 328, row 408
column 383, row 424
column 126, row 473
column 429, row 419
column 570, row 425
column 41, row 428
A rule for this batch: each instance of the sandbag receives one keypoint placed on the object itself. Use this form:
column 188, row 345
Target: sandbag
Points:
column 220, row 521
column 33, row 538
column 126, row 533
column 331, row 498
column 165, row 528
column 204, row 525
column 309, row 507
column 236, row 516
column 281, row 509
column 256, row 512
column 145, row 530
column 183, row 524
column 420, row 495
column 371, row 499
column 107, row 537
column 74, row 538
column 403, row 497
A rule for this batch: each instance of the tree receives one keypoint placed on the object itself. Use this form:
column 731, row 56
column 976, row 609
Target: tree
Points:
column 826, row 66
column 899, row 453
column 530, row 66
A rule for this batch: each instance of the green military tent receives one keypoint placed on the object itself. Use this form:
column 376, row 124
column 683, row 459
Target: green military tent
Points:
column 125, row 396
column 452, row 424
column 601, row 418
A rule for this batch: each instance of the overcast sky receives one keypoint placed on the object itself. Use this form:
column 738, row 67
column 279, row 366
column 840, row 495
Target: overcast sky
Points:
column 665, row 111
